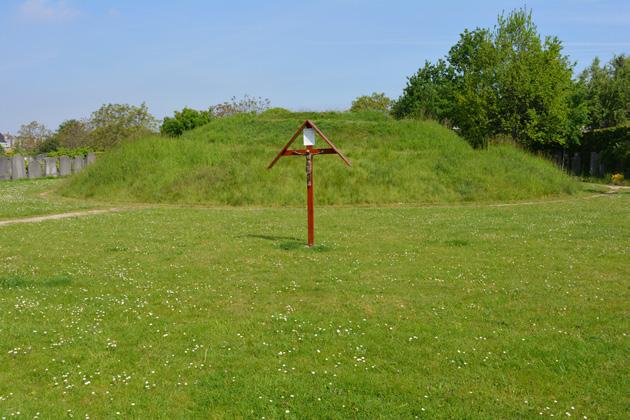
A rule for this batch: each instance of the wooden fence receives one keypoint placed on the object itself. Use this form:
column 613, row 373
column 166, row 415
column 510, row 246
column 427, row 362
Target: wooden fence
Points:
column 581, row 164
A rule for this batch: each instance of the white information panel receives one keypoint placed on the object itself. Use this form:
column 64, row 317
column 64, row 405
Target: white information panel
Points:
column 309, row 137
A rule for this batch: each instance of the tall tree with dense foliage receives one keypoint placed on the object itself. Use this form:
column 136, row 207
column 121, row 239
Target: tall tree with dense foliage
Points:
column 506, row 81
column 473, row 62
column 428, row 93
column 607, row 92
column 535, row 85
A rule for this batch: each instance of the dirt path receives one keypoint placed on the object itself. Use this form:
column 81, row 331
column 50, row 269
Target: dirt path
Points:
column 616, row 188
column 63, row 215
column 613, row 189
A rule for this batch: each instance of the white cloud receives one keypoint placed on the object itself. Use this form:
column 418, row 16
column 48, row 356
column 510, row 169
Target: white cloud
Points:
column 47, row 11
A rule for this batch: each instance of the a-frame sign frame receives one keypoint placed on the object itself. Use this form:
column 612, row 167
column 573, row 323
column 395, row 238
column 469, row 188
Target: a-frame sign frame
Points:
column 309, row 129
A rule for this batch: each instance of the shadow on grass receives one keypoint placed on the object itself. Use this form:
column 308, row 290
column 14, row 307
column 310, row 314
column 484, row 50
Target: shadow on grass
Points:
column 288, row 243
column 457, row 242
column 300, row 245
column 17, row 281
column 269, row 237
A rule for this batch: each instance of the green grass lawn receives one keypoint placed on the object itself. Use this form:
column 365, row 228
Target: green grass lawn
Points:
column 225, row 163
column 437, row 312
column 34, row 198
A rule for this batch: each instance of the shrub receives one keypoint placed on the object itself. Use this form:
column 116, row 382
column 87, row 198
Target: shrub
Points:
column 73, row 133
column 184, row 120
column 49, row 145
column 374, row 102
column 112, row 123
column 79, row 151
column 617, row 179
column 248, row 104
column 277, row 112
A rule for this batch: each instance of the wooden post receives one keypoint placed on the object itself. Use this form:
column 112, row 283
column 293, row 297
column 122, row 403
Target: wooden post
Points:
column 309, row 129
column 309, row 197
column 593, row 165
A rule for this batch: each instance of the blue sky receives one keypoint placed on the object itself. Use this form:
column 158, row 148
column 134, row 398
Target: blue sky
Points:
column 62, row 59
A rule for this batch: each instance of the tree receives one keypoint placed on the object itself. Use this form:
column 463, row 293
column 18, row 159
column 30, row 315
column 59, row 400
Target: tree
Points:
column 51, row 144
column 505, row 81
column 428, row 93
column 473, row 62
column 607, row 92
column 374, row 102
column 113, row 123
column 30, row 136
column 248, row 104
column 72, row 134
column 535, row 86
column 184, row 120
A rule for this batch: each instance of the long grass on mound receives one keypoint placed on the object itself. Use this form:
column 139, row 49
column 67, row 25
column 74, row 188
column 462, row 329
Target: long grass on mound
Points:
column 225, row 162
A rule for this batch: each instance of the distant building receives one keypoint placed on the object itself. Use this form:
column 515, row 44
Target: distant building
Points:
column 5, row 141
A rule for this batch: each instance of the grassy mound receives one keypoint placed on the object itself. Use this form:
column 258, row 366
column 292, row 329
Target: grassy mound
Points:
column 225, row 162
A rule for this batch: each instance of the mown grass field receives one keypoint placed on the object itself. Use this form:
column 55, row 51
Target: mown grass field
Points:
column 224, row 163
column 34, row 198
column 467, row 311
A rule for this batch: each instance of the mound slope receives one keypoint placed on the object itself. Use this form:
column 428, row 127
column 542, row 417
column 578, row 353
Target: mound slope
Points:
column 393, row 161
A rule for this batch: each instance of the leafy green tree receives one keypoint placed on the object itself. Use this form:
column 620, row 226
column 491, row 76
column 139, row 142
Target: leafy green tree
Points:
column 72, row 134
column 534, row 83
column 184, row 120
column 113, row 123
column 473, row 62
column 428, row 94
column 578, row 114
column 607, row 92
column 30, row 136
column 505, row 81
column 374, row 102
column 51, row 144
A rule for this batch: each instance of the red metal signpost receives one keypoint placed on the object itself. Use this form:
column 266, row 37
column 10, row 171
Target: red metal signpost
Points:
column 309, row 129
